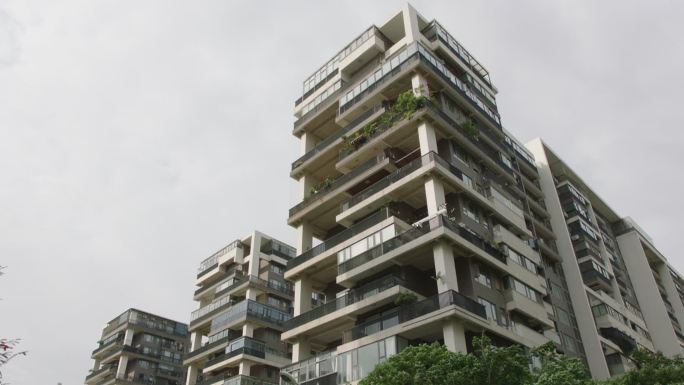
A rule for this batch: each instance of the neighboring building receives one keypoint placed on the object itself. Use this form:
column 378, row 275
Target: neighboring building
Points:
column 140, row 348
column 624, row 292
column 421, row 218
column 243, row 301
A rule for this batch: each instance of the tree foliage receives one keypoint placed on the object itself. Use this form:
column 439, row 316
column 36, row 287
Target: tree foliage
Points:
column 7, row 348
column 433, row 364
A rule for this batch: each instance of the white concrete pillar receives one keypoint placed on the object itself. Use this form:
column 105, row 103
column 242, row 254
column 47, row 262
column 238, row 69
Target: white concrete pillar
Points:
column 191, row 378
column 128, row 337
column 195, row 341
column 245, row 367
column 304, row 237
column 420, row 85
column 248, row 330
column 411, row 27
column 445, row 267
column 121, row 370
column 454, row 336
column 302, row 295
column 255, row 258
column 434, row 196
column 251, row 293
column 301, row 350
column 427, row 138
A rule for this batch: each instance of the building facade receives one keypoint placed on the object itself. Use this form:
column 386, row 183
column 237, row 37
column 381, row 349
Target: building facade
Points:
column 624, row 292
column 140, row 348
column 421, row 219
column 243, row 301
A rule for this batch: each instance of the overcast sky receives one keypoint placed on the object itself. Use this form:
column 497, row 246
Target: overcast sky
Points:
column 138, row 137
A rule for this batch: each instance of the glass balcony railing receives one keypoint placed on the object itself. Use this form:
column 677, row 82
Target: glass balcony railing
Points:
column 353, row 296
column 249, row 346
column 212, row 261
column 250, row 309
column 329, row 69
column 325, row 143
column 114, row 340
column 340, row 237
column 315, row 105
column 389, row 180
column 416, row 232
column 210, row 308
column 228, row 379
column 414, row 310
column 337, row 183
column 213, row 341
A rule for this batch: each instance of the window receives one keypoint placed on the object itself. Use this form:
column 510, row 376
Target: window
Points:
column 471, row 212
column 563, row 316
column 521, row 260
column 277, row 269
column 483, row 278
column 466, row 179
column 523, row 289
column 506, row 160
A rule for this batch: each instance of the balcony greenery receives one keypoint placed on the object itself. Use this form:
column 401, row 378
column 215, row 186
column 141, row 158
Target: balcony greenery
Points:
column 402, row 109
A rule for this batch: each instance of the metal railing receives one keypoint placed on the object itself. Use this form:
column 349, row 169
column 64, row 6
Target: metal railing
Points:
column 353, row 296
column 251, row 309
column 365, row 166
column 342, row 236
column 416, row 232
column 211, row 262
column 315, row 105
column 389, row 179
column 414, row 310
column 319, row 147
column 213, row 341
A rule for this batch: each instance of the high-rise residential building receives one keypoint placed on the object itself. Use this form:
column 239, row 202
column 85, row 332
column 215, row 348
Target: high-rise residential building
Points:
column 624, row 292
column 140, row 348
column 421, row 218
column 243, row 301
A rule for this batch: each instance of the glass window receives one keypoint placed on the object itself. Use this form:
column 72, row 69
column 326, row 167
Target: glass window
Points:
column 490, row 308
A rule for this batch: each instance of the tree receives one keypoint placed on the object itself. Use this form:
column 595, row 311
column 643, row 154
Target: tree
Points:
column 488, row 365
column 7, row 347
column 652, row 369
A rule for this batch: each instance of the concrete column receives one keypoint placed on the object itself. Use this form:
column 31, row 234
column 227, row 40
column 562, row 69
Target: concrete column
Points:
column 251, row 294
column 454, row 336
column 195, row 341
column 420, row 85
column 576, row 288
column 96, row 366
column 304, row 237
column 121, row 370
column 411, row 27
column 672, row 293
column 192, row 375
column 302, row 295
column 647, row 293
column 245, row 367
column 248, row 330
column 427, row 138
column 434, row 196
column 128, row 337
column 445, row 267
column 301, row 350
column 255, row 260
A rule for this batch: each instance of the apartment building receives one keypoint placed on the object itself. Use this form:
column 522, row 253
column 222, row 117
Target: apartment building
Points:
column 421, row 218
column 243, row 301
column 624, row 292
column 140, row 348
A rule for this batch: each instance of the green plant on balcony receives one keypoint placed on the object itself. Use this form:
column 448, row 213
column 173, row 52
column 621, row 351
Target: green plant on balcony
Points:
column 405, row 299
column 471, row 129
column 324, row 184
column 403, row 108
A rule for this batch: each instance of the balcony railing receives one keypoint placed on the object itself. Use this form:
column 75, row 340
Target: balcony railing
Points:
column 213, row 341
column 99, row 371
column 353, row 296
column 210, row 309
column 114, row 341
column 337, row 183
column 389, row 179
column 330, row 68
column 414, row 310
column 251, row 309
column 416, row 232
column 315, row 105
column 245, row 345
column 223, row 286
column 212, row 261
column 337, row 135
column 340, row 237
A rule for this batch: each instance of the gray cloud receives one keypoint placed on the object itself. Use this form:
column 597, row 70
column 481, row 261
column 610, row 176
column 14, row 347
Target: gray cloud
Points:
column 138, row 138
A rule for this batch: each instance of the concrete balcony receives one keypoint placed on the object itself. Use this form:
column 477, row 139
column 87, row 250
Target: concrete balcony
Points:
column 521, row 304
column 100, row 375
column 326, row 323
column 210, row 268
column 512, row 213
column 532, row 337
column 502, row 234
column 246, row 348
column 527, row 277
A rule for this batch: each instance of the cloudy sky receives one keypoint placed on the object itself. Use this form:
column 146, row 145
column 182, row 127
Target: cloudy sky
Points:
column 137, row 137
